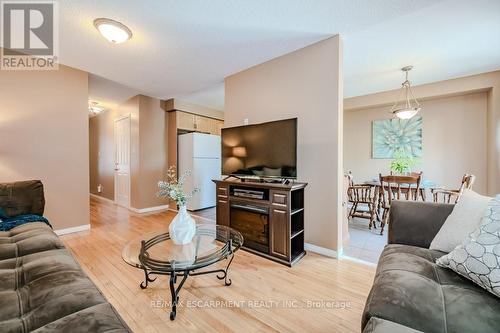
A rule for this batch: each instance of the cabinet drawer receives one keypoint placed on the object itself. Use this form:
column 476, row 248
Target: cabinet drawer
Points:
column 279, row 198
column 222, row 191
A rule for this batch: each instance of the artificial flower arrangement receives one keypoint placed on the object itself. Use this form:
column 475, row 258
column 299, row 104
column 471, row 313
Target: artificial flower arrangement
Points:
column 183, row 227
column 173, row 187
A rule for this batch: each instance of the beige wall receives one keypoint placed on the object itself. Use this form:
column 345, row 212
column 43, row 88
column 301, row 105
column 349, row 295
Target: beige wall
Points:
column 177, row 104
column 147, row 150
column 305, row 84
column 44, row 135
column 453, row 136
column 101, row 148
column 487, row 82
column 152, row 153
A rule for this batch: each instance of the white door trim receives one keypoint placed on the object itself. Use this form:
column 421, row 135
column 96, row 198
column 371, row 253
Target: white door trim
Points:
column 128, row 115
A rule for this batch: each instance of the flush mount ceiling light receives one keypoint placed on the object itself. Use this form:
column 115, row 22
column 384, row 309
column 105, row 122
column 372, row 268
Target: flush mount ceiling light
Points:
column 112, row 30
column 94, row 108
column 409, row 106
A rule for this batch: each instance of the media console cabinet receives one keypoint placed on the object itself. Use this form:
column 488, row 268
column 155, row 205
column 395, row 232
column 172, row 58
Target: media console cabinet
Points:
column 270, row 216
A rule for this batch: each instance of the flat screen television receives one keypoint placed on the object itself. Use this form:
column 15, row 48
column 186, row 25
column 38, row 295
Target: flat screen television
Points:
column 267, row 150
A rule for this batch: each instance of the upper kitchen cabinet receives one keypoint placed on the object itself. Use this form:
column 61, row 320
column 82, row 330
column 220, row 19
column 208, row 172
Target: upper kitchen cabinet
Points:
column 194, row 118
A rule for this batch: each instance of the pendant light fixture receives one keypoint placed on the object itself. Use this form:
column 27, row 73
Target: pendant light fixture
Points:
column 409, row 106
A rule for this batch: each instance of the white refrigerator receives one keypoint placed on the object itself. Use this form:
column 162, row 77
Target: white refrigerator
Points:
column 200, row 153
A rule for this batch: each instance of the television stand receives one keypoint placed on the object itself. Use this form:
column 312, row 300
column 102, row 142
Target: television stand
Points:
column 271, row 215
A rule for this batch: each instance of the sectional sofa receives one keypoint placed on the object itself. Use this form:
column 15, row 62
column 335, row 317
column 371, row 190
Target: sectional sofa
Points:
column 42, row 287
column 411, row 293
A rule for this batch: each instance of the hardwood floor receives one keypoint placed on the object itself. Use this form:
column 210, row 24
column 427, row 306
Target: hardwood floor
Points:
column 319, row 294
column 208, row 213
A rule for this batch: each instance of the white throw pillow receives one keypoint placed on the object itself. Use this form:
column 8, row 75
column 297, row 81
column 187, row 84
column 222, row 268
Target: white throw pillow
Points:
column 478, row 258
column 464, row 219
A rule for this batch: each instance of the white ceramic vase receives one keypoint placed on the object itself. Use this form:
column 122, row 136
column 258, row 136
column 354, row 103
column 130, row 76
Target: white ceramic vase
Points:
column 182, row 228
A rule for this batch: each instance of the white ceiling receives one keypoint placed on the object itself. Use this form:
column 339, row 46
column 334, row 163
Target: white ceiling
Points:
column 212, row 96
column 450, row 39
column 179, row 48
column 107, row 93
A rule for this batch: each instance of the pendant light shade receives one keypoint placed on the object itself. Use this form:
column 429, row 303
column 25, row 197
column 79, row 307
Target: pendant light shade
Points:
column 409, row 106
column 406, row 113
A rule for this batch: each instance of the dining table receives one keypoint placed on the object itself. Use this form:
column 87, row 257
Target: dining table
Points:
column 425, row 185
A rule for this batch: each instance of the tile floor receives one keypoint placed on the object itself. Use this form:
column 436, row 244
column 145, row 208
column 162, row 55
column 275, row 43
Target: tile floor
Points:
column 364, row 244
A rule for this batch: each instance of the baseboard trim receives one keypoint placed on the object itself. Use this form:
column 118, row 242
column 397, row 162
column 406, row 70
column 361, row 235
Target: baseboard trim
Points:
column 149, row 209
column 135, row 210
column 201, row 218
column 196, row 217
column 359, row 261
column 71, row 230
column 322, row 250
column 98, row 197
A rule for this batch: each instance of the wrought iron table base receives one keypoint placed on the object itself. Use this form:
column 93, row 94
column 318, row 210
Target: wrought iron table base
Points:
column 184, row 274
column 147, row 279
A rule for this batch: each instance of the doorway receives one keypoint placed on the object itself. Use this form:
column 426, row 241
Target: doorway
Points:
column 122, row 161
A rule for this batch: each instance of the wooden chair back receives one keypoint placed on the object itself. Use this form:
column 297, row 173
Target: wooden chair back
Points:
column 395, row 187
column 350, row 178
column 467, row 182
column 358, row 193
column 446, row 194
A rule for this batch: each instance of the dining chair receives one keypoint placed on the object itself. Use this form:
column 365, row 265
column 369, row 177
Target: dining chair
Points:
column 447, row 195
column 421, row 190
column 394, row 187
column 362, row 200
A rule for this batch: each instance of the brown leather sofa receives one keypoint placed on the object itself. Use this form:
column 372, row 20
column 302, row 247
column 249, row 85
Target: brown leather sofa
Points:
column 42, row 287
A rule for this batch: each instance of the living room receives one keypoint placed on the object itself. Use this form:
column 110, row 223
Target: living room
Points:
column 112, row 219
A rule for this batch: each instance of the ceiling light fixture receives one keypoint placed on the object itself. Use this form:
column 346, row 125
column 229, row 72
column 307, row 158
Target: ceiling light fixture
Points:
column 408, row 107
column 94, row 108
column 112, row 30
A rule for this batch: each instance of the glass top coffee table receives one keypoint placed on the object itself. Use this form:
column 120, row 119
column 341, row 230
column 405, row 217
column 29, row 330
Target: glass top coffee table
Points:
column 156, row 254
